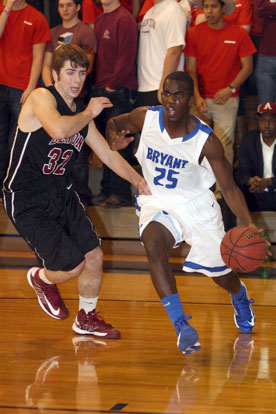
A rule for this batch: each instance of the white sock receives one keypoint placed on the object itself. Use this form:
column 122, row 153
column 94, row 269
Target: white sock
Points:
column 42, row 276
column 88, row 304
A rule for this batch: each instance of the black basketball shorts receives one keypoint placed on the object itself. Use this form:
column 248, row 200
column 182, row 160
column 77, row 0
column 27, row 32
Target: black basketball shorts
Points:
column 55, row 225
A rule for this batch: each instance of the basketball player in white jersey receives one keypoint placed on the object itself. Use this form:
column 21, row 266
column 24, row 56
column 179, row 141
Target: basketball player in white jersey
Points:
column 181, row 159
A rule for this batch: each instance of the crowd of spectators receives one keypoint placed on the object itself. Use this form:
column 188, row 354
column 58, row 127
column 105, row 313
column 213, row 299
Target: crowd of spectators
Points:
column 228, row 47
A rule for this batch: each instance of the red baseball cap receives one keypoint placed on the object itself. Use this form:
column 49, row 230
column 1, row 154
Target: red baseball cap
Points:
column 267, row 107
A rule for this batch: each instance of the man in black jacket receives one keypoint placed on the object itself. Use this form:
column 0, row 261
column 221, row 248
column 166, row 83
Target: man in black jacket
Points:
column 256, row 172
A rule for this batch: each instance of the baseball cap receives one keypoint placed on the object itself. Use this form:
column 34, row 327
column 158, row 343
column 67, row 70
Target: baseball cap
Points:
column 267, row 107
column 230, row 5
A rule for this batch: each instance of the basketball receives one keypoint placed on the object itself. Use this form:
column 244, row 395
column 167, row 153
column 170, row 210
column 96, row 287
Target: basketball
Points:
column 243, row 249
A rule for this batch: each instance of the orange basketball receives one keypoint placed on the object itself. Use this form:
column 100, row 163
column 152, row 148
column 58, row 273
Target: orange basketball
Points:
column 243, row 249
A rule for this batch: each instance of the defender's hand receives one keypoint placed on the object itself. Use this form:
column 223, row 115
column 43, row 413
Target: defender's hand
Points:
column 96, row 105
column 143, row 187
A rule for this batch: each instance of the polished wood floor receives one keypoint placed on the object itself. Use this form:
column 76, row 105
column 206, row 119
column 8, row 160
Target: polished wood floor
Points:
column 46, row 368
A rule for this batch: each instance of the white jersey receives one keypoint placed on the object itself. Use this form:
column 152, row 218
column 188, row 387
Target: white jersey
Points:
column 171, row 166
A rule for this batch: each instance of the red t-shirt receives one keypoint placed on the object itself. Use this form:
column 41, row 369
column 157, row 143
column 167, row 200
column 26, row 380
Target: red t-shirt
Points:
column 24, row 28
column 91, row 9
column 218, row 54
column 116, row 34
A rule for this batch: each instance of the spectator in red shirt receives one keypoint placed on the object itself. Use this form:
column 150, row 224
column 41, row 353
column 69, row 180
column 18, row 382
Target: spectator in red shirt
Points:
column 218, row 69
column 24, row 32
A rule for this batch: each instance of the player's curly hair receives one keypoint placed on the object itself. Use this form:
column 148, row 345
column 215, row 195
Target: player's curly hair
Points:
column 75, row 54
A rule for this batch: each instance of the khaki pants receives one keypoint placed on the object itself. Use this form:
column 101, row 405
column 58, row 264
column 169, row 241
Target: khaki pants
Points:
column 222, row 119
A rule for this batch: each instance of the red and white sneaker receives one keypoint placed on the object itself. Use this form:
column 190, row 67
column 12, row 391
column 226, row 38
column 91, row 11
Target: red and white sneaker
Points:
column 93, row 324
column 48, row 295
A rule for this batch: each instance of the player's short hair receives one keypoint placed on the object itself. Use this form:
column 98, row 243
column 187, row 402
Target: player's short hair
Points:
column 220, row 1
column 75, row 54
column 180, row 76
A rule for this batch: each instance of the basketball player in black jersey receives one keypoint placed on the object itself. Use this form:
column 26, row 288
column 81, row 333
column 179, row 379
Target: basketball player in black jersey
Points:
column 38, row 195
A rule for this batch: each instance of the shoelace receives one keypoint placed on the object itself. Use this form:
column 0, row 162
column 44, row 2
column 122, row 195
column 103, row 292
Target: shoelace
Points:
column 181, row 321
column 99, row 319
column 53, row 294
column 240, row 305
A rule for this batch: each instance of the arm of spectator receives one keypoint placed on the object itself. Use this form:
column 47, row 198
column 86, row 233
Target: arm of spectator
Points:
column 191, row 70
column 200, row 18
column 265, row 8
column 47, row 69
column 5, row 15
column 170, row 65
column 222, row 96
column 91, row 57
column 136, row 6
column 258, row 184
column 38, row 51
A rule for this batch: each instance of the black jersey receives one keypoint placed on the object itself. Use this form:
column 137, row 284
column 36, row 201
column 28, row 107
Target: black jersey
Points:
column 38, row 161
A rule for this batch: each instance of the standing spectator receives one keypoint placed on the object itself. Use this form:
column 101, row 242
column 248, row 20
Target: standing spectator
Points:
column 115, row 78
column 162, row 37
column 93, row 8
column 24, row 32
column 266, row 66
column 218, row 69
column 72, row 31
column 257, row 162
column 242, row 15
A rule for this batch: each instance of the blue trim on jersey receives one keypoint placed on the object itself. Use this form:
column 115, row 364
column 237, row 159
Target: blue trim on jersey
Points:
column 155, row 108
column 199, row 125
column 196, row 266
column 161, row 122
column 205, row 128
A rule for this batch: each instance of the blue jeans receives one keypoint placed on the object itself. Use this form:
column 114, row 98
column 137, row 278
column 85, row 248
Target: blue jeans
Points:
column 10, row 107
column 111, row 183
column 266, row 78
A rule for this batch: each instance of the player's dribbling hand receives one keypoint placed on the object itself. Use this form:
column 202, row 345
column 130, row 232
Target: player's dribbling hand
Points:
column 96, row 105
column 143, row 188
column 119, row 140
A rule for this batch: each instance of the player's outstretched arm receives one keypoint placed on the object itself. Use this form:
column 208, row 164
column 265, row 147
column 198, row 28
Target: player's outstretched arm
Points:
column 40, row 110
column 213, row 150
column 119, row 126
column 114, row 160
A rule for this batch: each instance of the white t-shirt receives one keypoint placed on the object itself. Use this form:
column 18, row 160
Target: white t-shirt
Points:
column 162, row 27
